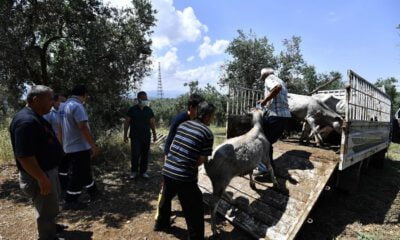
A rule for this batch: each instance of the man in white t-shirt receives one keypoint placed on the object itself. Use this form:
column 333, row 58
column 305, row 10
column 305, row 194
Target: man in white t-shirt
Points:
column 79, row 147
column 276, row 101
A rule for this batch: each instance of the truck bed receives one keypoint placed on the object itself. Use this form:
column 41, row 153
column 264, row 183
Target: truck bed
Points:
column 270, row 213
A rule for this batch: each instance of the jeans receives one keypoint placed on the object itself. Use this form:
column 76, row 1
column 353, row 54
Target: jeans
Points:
column 46, row 206
column 273, row 128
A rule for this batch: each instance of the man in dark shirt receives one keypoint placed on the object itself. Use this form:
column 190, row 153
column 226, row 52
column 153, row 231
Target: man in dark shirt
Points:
column 190, row 148
column 140, row 119
column 38, row 153
column 164, row 202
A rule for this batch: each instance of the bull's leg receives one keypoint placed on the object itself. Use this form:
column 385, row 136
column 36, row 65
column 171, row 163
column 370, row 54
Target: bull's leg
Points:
column 219, row 186
column 271, row 171
column 252, row 183
column 213, row 214
column 305, row 131
column 317, row 136
column 314, row 130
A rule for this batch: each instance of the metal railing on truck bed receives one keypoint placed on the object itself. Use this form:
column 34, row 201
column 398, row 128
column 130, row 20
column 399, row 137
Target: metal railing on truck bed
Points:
column 366, row 127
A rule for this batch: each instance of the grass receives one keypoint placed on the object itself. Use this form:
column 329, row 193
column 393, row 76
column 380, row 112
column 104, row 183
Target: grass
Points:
column 394, row 151
column 6, row 153
column 111, row 143
column 219, row 134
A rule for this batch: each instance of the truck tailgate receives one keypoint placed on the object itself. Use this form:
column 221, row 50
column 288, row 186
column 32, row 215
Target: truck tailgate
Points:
column 269, row 213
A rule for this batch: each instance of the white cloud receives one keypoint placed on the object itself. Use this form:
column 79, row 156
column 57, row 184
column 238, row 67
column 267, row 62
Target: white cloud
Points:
column 175, row 26
column 189, row 59
column 169, row 62
column 173, row 82
column 209, row 73
column 333, row 17
column 120, row 3
column 207, row 49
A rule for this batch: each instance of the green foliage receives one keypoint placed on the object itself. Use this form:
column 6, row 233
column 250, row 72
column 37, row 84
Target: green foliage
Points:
column 219, row 100
column 166, row 109
column 390, row 88
column 311, row 80
column 249, row 55
column 291, row 65
column 62, row 43
column 300, row 77
column 6, row 153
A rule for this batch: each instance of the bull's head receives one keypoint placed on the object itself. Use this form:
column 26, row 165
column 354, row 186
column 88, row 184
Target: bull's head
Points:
column 337, row 124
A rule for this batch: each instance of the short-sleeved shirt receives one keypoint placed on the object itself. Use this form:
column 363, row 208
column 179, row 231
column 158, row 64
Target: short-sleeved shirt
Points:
column 176, row 121
column 279, row 104
column 140, row 122
column 71, row 113
column 32, row 136
column 192, row 140
column 53, row 118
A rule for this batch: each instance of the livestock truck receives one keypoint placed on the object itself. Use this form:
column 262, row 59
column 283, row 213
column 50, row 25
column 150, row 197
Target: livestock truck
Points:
column 304, row 171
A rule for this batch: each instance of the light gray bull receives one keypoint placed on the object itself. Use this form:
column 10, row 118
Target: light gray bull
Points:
column 236, row 157
column 315, row 113
column 334, row 103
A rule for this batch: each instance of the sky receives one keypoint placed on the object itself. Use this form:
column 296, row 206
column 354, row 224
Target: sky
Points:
column 191, row 36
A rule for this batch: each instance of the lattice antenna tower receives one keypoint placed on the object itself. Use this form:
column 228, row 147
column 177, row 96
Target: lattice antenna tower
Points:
column 160, row 93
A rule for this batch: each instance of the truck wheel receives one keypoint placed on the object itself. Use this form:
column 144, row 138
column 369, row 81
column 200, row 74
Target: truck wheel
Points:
column 378, row 159
column 347, row 180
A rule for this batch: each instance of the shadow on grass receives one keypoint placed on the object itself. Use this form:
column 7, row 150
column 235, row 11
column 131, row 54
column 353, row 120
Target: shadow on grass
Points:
column 369, row 204
column 121, row 200
column 9, row 188
column 77, row 235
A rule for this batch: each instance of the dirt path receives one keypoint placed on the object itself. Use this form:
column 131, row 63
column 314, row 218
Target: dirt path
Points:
column 128, row 208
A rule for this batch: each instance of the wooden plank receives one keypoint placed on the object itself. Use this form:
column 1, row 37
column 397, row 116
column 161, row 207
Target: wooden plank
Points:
column 313, row 199
column 277, row 214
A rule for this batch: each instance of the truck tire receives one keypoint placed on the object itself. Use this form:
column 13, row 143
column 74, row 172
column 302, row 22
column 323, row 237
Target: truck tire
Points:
column 378, row 159
column 347, row 180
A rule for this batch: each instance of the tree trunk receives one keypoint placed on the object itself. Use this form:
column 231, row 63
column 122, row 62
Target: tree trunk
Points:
column 43, row 65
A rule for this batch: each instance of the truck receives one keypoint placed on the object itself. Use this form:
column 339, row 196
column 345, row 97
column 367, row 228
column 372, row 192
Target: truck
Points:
column 304, row 171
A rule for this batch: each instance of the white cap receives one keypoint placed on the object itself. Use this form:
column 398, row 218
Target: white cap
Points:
column 267, row 71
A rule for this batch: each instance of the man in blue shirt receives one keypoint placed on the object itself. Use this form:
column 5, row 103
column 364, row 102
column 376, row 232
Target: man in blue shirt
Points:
column 190, row 148
column 164, row 201
column 53, row 117
column 38, row 153
column 79, row 147
column 140, row 119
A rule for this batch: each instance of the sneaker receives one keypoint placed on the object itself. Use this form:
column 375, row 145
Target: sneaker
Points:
column 145, row 175
column 74, row 206
column 258, row 173
column 133, row 175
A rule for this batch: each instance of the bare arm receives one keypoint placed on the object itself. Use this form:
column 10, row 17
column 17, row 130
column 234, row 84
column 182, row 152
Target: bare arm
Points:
column 201, row 160
column 84, row 129
column 31, row 166
column 272, row 94
column 153, row 128
column 126, row 127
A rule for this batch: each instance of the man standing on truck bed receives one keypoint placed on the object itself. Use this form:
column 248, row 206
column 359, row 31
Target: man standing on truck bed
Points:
column 275, row 94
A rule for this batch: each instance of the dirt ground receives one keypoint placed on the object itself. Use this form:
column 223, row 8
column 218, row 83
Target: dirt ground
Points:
column 127, row 208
